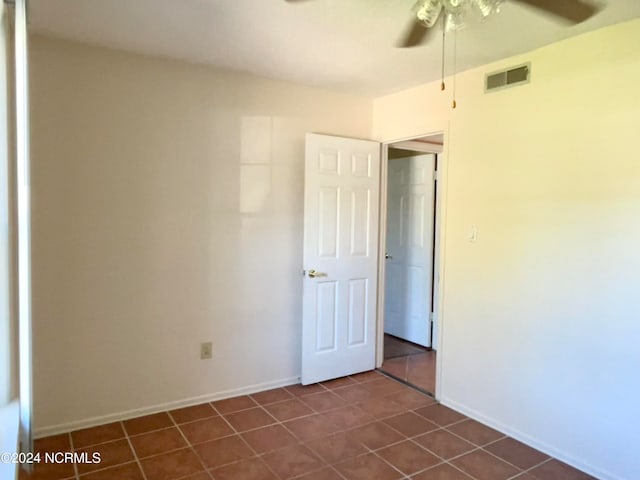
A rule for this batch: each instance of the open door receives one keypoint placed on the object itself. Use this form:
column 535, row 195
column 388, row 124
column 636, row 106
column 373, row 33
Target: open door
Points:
column 409, row 269
column 341, row 205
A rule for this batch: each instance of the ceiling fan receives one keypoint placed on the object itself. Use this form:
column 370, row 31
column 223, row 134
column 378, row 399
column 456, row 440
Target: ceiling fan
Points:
column 454, row 13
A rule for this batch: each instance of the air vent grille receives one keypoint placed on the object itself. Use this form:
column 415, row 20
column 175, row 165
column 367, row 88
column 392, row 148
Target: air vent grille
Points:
column 509, row 77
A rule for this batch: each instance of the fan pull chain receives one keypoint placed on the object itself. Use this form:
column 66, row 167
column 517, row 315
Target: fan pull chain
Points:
column 455, row 66
column 444, row 31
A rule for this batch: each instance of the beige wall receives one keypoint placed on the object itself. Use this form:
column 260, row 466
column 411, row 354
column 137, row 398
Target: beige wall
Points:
column 540, row 315
column 167, row 211
column 5, row 311
column 8, row 223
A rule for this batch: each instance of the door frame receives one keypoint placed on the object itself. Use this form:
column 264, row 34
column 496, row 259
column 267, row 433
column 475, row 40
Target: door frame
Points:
column 440, row 209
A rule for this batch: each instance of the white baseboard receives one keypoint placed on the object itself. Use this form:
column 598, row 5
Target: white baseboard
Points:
column 528, row 440
column 137, row 412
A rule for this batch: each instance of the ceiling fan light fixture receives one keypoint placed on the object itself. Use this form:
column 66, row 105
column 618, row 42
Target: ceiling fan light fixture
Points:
column 487, row 7
column 456, row 13
column 451, row 5
column 455, row 20
column 428, row 11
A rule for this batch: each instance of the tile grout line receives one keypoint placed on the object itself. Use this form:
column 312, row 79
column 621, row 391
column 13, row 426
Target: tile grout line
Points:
column 368, row 451
column 446, row 427
column 411, row 439
column 258, row 456
column 405, row 383
column 327, row 466
column 480, row 447
column 93, row 446
column 221, row 413
column 291, row 433
column 299, row 441
column 374, row 420
column 483, row 448
column 102, row 443
column 455, row 467
column 449, row 460
column 262, row 407
column 521, row 470
column 313, row 410
column 304, row 443
column 530, row 469
column 404, row 438
column 189, row 444
column 75, row 466
column 397, row 469
column 384, row 396
column 133, row 450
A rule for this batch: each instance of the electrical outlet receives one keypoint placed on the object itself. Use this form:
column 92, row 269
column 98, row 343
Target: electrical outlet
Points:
column 206, row 350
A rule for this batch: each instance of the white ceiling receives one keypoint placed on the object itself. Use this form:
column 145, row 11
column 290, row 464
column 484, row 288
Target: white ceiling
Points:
column 345, row 45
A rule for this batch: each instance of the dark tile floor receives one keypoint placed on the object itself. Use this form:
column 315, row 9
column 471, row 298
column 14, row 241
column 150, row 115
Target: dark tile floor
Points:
column 410, row 362
column 363, row 427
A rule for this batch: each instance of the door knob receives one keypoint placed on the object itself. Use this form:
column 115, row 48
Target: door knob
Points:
column 314, row 274
column 388, row 257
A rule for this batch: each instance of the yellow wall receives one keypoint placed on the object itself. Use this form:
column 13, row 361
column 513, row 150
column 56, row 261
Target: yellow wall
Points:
column 540, row 315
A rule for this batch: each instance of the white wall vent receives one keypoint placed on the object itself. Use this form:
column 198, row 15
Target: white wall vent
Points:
column 509, row 77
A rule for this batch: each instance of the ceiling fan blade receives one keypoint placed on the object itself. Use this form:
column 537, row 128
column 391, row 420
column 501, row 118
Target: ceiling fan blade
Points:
column 575, row 11
column 416, row 34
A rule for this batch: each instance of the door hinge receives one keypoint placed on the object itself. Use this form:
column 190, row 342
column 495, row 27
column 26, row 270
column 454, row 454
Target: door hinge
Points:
column 435, row 175
column 431, row 324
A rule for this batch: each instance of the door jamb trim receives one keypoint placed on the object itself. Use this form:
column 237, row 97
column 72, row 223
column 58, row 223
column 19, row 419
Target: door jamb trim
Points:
column 438, row 316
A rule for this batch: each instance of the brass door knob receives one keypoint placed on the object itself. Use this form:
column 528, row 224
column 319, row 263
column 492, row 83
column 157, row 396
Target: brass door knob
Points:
column 314, row 274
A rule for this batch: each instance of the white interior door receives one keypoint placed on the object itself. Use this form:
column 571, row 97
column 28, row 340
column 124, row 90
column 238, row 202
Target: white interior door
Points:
column 342, row 180
column 409, row 265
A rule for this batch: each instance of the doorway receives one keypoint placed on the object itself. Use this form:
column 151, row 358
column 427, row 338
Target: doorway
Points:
column 408, row 271
column 344, row 264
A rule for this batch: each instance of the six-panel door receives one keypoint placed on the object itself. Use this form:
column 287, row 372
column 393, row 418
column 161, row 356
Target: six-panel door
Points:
column 340, row 256
column 409, row 245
